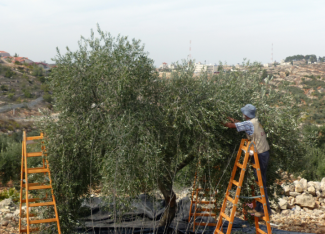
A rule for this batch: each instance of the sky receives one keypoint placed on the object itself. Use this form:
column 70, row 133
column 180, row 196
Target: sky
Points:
column 219, row 30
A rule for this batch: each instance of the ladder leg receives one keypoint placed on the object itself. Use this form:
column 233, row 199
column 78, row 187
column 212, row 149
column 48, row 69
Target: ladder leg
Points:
column 21, row 185
column 197, row 191
column 26, row 181
column 53, row 198
column 263, row 197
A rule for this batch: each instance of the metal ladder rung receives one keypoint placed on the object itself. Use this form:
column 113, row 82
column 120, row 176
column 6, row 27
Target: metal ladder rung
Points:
column 230, row 199
column 37, row 170
column 35, row 154
column 31, row 230
column 225, row 216
column 43, row 221
column 40, row 187
column 32, row 200
column 42, row 204
column 34, row 138
column 235, row 183
column 239, row 165
column 30, row 184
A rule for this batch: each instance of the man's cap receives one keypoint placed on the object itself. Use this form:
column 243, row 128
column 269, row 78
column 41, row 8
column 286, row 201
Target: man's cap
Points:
column 249, row 110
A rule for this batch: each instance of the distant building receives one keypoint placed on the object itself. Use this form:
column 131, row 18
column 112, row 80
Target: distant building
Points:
column 21, row 60
column 42, row 65
column 4, row 54
column 163, row 66
column 210, row 68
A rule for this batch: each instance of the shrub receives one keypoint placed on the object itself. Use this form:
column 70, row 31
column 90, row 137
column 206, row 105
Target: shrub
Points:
column 27, row 94
column 10, row 158
column 47, row 97
column 10, row 193
column 11, row 96
column 9, row 74
column 4, row 88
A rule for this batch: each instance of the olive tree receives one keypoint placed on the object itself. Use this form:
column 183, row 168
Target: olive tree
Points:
column 125, row 129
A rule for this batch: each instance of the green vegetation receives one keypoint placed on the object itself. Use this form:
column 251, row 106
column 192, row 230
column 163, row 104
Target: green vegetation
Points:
column 136, row 132
column 312, row 58
column 9, row 193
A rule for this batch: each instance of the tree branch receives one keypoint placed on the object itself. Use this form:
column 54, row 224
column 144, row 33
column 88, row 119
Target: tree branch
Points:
column 185, row 162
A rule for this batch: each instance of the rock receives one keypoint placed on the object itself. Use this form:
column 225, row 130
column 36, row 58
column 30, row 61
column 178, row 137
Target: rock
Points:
column 317, row 186
column 299, row 188
column 6, row 202
column 292, row 187
column 303, row 182
column 283, row 204
column 4, row 210
column 285, row 212
column 294, row 194
column 311, row 190
column 297, row 208
column 4, row 223
column 286, row 189
column 8, row 216
column 16, row 213
column 322, row 184
column 305, row 200
column 318, row 193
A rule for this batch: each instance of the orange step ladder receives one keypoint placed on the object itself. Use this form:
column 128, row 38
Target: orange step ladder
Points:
column 34, row 202
column 247, row 147
column 195, row 199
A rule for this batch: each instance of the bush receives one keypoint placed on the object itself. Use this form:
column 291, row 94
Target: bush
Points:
column 27, row 94
column 11, row 96
column 47, row 97
column 10, row 158
column 9, row 74
column 10, row 193
column 4, row 88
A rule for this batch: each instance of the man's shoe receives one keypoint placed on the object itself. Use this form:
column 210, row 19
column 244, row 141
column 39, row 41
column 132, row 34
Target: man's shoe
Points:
column 258, row 214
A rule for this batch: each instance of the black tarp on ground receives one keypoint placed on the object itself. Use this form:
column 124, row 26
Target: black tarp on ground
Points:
column 145, row 216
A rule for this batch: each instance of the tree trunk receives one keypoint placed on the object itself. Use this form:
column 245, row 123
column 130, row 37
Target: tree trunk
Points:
column 166, row 187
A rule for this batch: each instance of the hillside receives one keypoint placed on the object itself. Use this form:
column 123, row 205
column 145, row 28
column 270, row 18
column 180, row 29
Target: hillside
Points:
column 307, row 83
column 20, row 85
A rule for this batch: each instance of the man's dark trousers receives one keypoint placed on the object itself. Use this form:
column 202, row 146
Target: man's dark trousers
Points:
column 263, row 159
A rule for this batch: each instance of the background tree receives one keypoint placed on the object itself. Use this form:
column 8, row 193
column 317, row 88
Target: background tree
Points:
column 124, row 128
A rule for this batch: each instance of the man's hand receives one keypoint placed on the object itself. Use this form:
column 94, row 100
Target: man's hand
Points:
column 233, row 120
column 229, row 125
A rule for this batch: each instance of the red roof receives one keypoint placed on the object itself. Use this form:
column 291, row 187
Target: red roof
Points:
column 19, row 59
column 4, row 52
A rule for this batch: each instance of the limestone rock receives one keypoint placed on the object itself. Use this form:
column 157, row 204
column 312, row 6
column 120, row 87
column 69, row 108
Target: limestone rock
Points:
column 317, row 186
column 292, row 187
column 4, row 223
column 6, row 202
column 311, row 190
column 286, row 189
column 285, row 212
column 294, row 194
column 322, row 184
column 283, row 204
column 299, row 187
column 16, row 213
column 303, row 182
column 305, row 200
